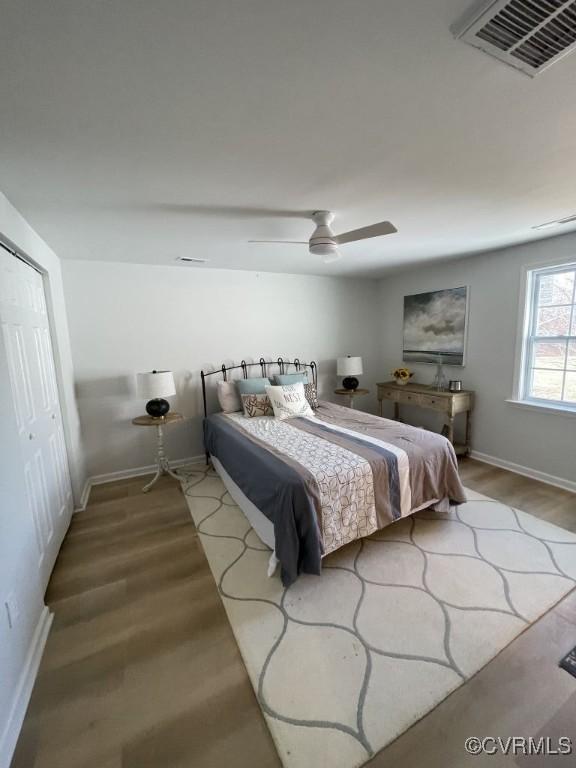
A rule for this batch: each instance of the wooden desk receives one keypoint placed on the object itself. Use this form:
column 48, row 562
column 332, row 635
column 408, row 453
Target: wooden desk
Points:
column 447, row 403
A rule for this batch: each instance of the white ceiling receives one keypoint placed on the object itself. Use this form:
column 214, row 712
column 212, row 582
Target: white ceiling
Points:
column 141, row 131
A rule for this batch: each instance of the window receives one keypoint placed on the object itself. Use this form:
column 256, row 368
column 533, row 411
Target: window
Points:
column 549, row 355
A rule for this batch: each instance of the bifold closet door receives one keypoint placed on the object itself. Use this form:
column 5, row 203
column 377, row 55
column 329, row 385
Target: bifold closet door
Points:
column 40, row 442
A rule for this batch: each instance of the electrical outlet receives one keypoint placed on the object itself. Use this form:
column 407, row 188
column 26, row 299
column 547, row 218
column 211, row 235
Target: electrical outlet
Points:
column 12, row 610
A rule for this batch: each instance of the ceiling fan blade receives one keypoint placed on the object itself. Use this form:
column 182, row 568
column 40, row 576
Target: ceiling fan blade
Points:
column 374, row 230
column 230, row 211
column 281, row 242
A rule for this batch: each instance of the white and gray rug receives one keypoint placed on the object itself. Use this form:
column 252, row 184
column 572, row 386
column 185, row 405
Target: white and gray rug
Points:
column 342, row 664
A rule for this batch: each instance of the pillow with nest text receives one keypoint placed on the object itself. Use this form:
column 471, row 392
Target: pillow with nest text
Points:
column 289, row 401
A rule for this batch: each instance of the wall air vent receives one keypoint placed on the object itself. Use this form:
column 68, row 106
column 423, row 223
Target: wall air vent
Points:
column 529, row 35
column 191, row 260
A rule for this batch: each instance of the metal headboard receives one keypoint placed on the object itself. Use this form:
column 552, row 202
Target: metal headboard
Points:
column 282, row 364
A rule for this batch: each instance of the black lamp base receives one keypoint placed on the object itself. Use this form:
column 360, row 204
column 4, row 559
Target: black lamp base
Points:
column 157, row 407
column 350, row 382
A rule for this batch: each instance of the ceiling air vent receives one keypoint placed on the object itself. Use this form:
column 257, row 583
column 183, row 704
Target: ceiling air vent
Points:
column 529, row 35
column 191, row 260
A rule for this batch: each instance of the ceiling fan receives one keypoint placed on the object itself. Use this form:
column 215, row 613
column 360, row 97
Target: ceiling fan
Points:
column 323, row 242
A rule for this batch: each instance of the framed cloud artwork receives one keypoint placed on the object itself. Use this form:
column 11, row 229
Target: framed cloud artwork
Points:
column 435, row 325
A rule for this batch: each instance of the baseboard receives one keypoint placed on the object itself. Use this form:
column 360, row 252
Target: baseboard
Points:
column 84, row 496
column 24, row 690
column 125, row 474
column 534, row 474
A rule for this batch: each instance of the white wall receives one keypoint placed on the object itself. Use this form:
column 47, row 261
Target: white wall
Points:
column 541, row 441
column 126, row 318
column 20, row 646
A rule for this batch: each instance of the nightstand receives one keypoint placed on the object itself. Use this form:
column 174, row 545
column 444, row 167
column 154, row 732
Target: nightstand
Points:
column 351, row 394
column 162, row 463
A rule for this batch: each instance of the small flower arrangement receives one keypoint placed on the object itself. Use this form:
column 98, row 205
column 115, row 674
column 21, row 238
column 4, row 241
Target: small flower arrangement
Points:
column 402, row 375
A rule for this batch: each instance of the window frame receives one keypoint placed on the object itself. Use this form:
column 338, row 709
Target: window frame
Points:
column 527, row 338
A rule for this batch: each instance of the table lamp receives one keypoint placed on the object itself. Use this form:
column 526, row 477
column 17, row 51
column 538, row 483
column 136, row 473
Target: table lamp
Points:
column 349, row 367
column 156, row 385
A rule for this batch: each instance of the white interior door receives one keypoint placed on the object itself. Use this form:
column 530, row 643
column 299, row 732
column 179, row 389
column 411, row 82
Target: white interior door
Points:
column 30, row 363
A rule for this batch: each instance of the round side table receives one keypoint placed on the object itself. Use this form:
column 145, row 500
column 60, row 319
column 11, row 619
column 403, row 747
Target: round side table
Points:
column 351, row 394
column 162, row 463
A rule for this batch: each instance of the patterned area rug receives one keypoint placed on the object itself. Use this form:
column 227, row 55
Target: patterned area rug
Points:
column 342, row 664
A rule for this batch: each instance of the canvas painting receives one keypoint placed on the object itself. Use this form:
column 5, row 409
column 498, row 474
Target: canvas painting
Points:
column 435, row 327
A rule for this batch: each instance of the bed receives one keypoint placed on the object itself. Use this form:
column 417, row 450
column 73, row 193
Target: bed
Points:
column 311, row 485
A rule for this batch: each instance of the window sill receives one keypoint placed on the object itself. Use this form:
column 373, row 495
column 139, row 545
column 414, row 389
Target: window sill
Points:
column 543, row 407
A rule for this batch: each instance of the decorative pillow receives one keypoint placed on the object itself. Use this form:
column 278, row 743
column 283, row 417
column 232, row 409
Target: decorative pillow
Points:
column 281, row 379
column 311, row 395
column 252, row 386
column 289, row 401
column 256, row 405
column 228, row 397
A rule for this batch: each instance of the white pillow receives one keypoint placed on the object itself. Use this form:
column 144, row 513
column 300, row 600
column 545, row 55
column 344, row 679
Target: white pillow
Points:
column 289, row 401
column 228, row 397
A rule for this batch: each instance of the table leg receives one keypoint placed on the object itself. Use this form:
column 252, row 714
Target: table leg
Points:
column 162, row 463
column 151, row 483
column 396, row 411
column 450, row 430
column 468, row 430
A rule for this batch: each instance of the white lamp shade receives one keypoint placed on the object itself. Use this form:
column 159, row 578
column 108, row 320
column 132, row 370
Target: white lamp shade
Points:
column 349, row 366
column 156, row 384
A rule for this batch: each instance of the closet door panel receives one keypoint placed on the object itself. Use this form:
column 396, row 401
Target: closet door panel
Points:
column 26, row 333
column 19, row 376
column 46, row 395
column 45, row 501
column 34, row 509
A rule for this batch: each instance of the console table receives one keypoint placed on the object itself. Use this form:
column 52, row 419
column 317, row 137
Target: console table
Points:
column 447, row 403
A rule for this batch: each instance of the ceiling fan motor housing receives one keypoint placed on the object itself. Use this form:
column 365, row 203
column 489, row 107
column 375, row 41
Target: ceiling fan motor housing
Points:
column 323, row 242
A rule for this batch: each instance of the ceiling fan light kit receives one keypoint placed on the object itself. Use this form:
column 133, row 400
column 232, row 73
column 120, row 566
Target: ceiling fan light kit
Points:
column 324, row 242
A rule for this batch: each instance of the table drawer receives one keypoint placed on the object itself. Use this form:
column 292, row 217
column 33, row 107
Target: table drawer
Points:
column 435, row 402
column 385, row 393
column 410, row 398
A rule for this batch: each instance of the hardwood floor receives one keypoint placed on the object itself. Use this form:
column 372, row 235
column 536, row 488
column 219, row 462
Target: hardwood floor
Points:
column 545, row 501
column 141, row 669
